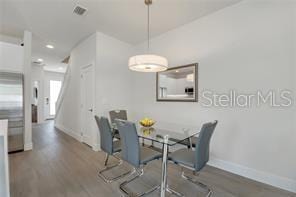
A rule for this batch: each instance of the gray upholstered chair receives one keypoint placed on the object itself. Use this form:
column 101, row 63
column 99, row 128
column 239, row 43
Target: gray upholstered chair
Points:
column 197, row 159
column 109, row 146
column 122, row 115
column 117, row 114
column 134, row 154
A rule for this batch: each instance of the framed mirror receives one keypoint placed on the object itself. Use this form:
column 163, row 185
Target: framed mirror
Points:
column 178, row 84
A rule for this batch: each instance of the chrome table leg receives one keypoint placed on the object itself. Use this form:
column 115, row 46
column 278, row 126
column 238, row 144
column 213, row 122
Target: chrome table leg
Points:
column 163, row 186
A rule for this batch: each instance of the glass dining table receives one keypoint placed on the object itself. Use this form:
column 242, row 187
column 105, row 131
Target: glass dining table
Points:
column 167, row 135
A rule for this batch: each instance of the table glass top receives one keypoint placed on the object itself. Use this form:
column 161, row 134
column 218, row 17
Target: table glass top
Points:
column 174, row 133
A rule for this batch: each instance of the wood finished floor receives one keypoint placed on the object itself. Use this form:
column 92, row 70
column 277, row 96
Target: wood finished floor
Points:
column 16, row 142
column 60, row 166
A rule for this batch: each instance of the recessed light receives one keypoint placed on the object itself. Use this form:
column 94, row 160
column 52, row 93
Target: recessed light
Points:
column 40, row 60
column 177, row 71
column 49, row 46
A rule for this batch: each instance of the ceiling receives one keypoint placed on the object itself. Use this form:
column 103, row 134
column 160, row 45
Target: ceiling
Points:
column 53, row 21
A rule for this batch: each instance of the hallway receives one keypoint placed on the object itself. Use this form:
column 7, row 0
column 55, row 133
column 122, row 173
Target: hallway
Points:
column 60, row 166
column 57, row 166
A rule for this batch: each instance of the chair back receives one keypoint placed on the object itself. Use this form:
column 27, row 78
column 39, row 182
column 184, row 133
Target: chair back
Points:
column 202, row 148
column 117, row 114
column 130, row 146
column 105, row 134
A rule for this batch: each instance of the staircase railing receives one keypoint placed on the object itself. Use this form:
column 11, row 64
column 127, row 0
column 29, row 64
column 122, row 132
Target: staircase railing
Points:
column 64, row 87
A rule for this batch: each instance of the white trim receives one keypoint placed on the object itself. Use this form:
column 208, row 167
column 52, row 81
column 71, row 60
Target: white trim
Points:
column 70, row 132
column 28, row 146
column 96, row 147
column 260, row 176
column 11, row 71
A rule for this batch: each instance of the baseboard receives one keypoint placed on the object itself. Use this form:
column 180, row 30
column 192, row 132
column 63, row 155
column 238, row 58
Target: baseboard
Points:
column 28, row 146
column 69, row 132
column 260, row 176
column 96, row 147
column 76, row 136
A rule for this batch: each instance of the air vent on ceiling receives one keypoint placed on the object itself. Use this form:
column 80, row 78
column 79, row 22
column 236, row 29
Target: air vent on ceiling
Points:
column 79, row 10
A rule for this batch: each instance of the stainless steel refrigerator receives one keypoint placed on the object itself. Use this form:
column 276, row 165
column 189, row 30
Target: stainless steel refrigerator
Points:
column 12, row 108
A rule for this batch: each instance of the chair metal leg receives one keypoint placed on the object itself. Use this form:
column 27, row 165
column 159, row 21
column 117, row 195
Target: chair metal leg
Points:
column 152, row 144
column 139, row 172
column 106, row 159
column 107, row 179
column 198, row 184
column 171, row 191
column 190, row 143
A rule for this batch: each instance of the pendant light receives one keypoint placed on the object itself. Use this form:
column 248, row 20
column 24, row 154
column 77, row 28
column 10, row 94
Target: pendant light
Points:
column 148, row 62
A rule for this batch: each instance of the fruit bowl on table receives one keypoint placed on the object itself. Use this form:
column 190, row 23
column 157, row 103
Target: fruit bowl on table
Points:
column 147, row 122
column 147, row 130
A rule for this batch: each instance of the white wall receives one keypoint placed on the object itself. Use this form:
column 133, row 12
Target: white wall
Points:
column 294, row 63
column 68, row 118
column 245, row 47
column 113, row 78
column 48, row 75
column 11, row 57
column 11, row 39
column 112, row 82
column 28, row 144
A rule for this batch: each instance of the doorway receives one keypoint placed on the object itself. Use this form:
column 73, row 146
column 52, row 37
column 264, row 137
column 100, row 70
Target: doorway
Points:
column 54, row 91
column 87, row 104
column 53, row 82
column 35, row 101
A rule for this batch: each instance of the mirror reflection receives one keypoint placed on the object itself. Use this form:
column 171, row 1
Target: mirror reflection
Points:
column 177, row 84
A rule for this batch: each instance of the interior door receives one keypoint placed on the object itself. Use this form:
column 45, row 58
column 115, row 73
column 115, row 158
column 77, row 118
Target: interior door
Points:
column 87, row 90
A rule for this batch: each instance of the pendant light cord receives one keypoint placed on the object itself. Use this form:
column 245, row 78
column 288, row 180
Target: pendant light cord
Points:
column 148, row 28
